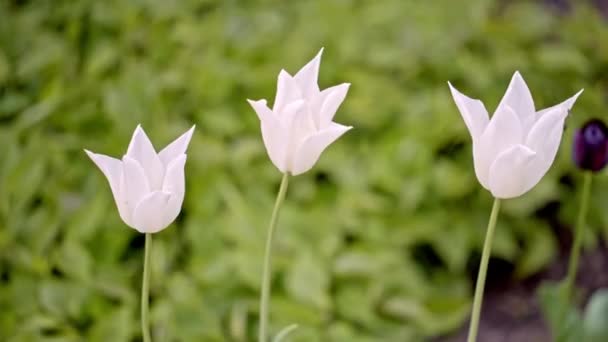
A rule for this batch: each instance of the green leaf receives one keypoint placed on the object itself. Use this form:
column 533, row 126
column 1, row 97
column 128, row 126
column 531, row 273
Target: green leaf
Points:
column 596, row 316
column 308, row 281
column 564, row 320
column 283, row 333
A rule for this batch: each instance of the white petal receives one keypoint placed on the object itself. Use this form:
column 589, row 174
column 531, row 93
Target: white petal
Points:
column 544, row 138
column 567, row 105
column 331, row 103
column 503, row 132
column 141, row 149
column 112, row 169
column 274, row 133
column 298, row 125
column 287, row 91
column 311, row 148
column 176, row 148
column 135, row 186
column 307, row 77
column 473, row 112
column 509, row 173
column 275, row 140
column 518, row 97
column 175, row 185
column 261, row 109
column 174, row 182
column 148, row 215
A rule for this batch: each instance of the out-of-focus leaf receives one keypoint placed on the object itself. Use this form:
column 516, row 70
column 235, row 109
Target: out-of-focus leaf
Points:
column 596, row 316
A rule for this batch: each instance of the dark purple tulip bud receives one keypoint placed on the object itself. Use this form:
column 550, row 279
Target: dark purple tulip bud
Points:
column 591, row 146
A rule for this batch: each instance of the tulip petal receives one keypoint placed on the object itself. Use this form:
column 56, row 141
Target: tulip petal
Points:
column 544, row 138
column 299, row 121
column 135, row 184
column 175, row 185
column 149, row 212
column 331, row 103
column 176, row 148
column 519, row 98
column 113, row 170
column 141, row 149
column 503, row 131
column 567, row 105
column 509, row 172
column 275, row 132
column 311, row 148
column 298, row 125
column 473, row 112
column 307, row 77
column 261, row 109
column 174, row 182
column 287, row 92
column 275, row 140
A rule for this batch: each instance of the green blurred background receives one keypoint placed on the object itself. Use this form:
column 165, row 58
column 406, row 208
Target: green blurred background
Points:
column 379, row 242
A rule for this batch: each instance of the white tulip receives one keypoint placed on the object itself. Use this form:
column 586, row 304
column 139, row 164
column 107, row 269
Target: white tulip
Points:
column 514, row 149
column 148, row 187
column 299, row 127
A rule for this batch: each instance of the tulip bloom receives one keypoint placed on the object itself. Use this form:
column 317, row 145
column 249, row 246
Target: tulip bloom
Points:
column 514, row 149
column 148, row 188
column 297, row 129
column 511, row 153
column 590, row 150
column 299, row 126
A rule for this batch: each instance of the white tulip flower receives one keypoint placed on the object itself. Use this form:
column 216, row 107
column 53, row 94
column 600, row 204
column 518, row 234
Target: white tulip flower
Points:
column 148, row 187
column 514, row 149
column 299, row 127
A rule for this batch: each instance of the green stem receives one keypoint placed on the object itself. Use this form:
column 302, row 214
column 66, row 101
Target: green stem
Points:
column 264, row 299
column 144, row 290
column 578, row 237
column 483, row 270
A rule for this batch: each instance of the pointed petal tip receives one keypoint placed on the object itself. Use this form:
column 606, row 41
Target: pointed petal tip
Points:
column 517, row 76
column 284, row 73
column 452, row 89
column 455, row 92
column 91, row 155
column 255, row 102
column 575, row 97
column 320, row 53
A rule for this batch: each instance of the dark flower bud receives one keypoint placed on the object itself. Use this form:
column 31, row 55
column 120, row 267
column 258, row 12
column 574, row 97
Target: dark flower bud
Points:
column 591, row 146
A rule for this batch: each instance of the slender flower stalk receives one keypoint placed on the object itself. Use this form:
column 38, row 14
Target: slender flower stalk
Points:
column 267, row 273
column 483, row 270
column 578, row 234
column 145, row 287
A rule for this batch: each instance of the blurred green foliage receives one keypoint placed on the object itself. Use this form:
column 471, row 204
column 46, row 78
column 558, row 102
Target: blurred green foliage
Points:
column 375, row 243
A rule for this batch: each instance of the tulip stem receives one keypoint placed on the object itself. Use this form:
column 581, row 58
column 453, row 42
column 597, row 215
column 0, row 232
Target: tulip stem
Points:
column 578, row 235
column 144, row 290
column 266, row 276
column 483, row 270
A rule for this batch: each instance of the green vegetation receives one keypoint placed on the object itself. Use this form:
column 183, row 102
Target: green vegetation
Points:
column 374, row 244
